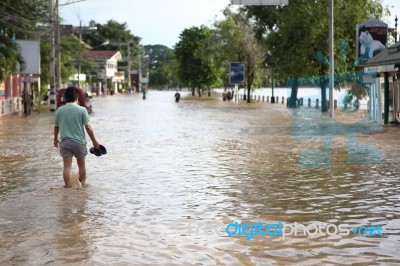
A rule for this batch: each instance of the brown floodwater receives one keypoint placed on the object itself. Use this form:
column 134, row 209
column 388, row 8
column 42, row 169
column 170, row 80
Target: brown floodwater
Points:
column 176, row 174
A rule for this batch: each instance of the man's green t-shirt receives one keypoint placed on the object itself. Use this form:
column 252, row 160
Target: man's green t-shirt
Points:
column 71, row 119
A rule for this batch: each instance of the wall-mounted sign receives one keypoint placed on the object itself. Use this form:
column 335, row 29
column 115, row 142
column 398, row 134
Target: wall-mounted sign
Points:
column 371, row 39
column 236, row 73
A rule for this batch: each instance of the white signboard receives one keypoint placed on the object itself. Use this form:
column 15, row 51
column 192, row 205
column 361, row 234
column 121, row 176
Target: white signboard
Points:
column 144, row 80
column 30, row 51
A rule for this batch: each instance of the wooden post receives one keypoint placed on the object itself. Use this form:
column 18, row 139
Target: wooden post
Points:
column 386, row 99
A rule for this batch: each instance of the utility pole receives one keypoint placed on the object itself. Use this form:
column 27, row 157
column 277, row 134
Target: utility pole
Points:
column 139, row 68
column 80, row 42
column 58, row 48
column 51, row 60
column 129, row 64
column 331, row 57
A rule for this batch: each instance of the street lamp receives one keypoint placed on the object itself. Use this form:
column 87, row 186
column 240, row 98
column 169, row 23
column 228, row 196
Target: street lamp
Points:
column 129, row 65
column 331, row 57
column 395, row 29
column 271, row 63
column 139, row 67
column 52, row 70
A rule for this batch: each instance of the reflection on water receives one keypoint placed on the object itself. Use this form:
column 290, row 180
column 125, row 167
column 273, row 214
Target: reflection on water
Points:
column 177, row 173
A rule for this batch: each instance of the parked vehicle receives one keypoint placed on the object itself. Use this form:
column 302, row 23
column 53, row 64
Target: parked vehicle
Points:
column 83, row 99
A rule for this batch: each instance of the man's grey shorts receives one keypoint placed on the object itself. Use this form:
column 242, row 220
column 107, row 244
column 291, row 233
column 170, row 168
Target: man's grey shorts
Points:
column 69, row 148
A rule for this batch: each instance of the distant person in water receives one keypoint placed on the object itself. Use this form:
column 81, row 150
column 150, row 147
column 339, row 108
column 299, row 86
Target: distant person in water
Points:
column 177, row 96
column 71, row 120
column 232, row 94
column 144, row 93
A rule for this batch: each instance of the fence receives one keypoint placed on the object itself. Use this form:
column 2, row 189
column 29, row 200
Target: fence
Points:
column 279, row 100
column 11, row 105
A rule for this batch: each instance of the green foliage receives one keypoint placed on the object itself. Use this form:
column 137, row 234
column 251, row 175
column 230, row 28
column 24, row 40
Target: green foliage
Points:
column 18, row 19
column 8, row 57
column 162, row 66
column 234, row 41
column 70, row 57
column 44, row 64
column 115, row 34
column 194, row 70
column 23, row 18
column 296, row 35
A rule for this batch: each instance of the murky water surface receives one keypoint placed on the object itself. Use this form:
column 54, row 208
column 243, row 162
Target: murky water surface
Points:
column 176, row 174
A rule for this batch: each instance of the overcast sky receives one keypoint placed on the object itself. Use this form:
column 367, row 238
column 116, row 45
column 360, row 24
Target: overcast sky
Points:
column 159, row 21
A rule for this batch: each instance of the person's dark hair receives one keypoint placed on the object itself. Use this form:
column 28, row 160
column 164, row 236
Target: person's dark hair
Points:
column 71, row 94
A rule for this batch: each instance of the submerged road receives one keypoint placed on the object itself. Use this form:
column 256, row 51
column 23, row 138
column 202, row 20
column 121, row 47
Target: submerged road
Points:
column 176, row 175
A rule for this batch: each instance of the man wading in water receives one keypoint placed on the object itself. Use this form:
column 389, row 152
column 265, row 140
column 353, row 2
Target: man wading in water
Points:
column 70, row 121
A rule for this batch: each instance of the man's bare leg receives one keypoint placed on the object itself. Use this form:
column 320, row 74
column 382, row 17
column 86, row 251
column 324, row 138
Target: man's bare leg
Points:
column 82, row 170
column 67, row 171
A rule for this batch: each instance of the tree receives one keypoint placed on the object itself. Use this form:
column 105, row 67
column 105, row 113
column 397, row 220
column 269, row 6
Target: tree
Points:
column 234, row 41
column 114, row 33
column 296, row 36
column 70, row 57
column 71, row 54
column 23, row 17
column 112, row 36
column 161, row 63
column 21, row 23
column 9, row 57
column 193, row 70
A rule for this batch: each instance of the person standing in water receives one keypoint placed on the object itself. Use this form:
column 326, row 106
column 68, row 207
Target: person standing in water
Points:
column 144, row 93
column 71, row 120
column 177, row 96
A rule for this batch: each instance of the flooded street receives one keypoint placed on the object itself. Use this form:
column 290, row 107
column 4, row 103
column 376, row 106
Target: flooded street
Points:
column 176, row 174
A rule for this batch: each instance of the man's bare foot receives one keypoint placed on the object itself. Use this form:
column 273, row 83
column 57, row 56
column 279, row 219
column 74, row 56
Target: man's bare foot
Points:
column 83, row 183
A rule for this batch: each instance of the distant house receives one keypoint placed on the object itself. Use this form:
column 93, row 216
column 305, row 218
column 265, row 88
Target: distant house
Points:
column 106, row 64
column 66, row 30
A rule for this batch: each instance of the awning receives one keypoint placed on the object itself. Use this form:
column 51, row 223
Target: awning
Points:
column 389, row 56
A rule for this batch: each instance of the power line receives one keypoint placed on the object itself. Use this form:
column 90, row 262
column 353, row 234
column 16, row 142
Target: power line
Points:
column 18, row 12
column 17, row 28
